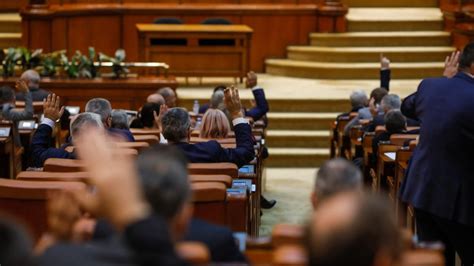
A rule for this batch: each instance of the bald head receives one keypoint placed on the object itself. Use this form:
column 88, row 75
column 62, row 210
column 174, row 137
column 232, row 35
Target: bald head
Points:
column 336, row 176
column 353, row 229
column 32, row 78
column 169, row 95
column 155, row 98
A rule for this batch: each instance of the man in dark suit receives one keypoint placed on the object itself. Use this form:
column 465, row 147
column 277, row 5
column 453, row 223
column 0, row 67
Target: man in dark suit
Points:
column 439, row 181
column 176, row 125
column 145, row 237
column 163, row 175
column 257, row 112
column 41, row 148
column 103, row 108
column 32, row 78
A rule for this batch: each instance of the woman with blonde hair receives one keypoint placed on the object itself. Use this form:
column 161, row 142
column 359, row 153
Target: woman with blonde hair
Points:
column 215, row 125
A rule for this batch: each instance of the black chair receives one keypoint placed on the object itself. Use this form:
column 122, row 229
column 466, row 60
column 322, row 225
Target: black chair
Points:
column 216, row 21
column 166, row 42
column 216, row 42
column 168, row 21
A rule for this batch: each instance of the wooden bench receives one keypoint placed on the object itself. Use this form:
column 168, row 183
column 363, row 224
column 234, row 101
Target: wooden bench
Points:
column 26, row 201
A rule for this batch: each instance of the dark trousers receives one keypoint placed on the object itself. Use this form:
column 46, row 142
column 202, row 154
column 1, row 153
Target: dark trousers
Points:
column 456, row 237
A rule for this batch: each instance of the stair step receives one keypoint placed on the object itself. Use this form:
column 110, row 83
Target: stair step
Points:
column 324, row 70
column 297, row 157
column 10, row 40
column 394, row 19
column 298, row 138
column 10, row 23
column 368, row 54
column 396, row 38
column 300, row 121
column 391, row 3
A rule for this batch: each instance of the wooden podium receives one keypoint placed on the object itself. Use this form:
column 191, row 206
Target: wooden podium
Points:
column 197, row 50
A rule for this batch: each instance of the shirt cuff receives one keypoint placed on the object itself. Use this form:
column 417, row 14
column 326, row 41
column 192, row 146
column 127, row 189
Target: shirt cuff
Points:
column 257, row 88
column 49, row 122
column 239, row 120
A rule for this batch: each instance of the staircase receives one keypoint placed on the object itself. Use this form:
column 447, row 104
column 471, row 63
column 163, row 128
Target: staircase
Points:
column 409, row 32
column 10, row 30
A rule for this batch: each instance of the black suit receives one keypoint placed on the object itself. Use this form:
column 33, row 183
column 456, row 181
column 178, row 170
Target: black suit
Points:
column 439, row 182
column 218, row 239
column 212, row 152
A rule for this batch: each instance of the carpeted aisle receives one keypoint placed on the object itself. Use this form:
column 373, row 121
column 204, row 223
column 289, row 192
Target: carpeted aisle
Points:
column 291, row 187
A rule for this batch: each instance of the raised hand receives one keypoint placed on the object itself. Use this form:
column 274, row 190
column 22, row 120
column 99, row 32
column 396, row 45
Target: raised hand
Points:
column 118, row 196
column 163, row 110
column 451, row 64
column 251, row 80
column 51, row 107
column 232, row 102
column 384, row 62
column 22, row 86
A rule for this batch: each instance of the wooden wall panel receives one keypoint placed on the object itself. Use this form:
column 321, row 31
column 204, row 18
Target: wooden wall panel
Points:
column 270, row 42
column 108, row 28
column 102, row 32
column 40, row 35
column 12, row 5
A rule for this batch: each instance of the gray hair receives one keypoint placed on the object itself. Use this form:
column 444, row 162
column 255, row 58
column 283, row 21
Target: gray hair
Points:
column 166, row 92
column 31, row 76
column 176, row 124
column 163, row 174
column 99, row 106
column 358, row 98
column 335, row 176
column 217, row 100
column 390, row 102
column 85, row 119
column 119, row 119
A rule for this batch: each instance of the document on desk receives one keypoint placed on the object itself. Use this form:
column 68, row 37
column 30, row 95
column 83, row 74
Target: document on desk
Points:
column 391, row 155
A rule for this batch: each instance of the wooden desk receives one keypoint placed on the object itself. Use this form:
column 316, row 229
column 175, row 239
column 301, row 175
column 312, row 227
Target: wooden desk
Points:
column 197, row 50
column 129, row 93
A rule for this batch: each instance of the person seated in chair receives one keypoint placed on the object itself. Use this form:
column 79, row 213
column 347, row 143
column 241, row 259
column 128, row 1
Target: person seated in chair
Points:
column 103, row 108
column 334, row 177
column 257, row 112
column 147, row 117
column 348, row 221
column 215, row 125
column 7, row 105
column 176, row 125
column 156, row 98
column 41, row 148
column 32, row 79
column 120, row 120
column 169, row 95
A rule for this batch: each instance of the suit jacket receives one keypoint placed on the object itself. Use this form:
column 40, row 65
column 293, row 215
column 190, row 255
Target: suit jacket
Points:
column 124, row 133
column 146, row 242
column 41, row 148
column 212, row 152
column 261, row 105
column 440, row 176
column 38, row 95
column 218, row 239
column 379, row 120
column 7, row 112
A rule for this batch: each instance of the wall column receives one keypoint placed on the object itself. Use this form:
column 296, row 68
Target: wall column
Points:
column 332, row 16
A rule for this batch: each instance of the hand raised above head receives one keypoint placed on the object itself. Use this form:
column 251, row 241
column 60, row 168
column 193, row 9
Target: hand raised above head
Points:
column 384, row 62
column 51, row 107
column 232, row 102
column 118, row 196
column 451, row 64
column 251, row 80
column 22, row 86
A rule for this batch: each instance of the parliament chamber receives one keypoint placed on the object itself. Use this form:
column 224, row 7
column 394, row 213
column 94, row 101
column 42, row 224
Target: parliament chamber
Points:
column 236, row 132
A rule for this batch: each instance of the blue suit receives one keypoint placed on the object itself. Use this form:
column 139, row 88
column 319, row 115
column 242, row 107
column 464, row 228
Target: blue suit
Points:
column 41, row 148
column 212, row 152
column 256, row 112
column 440, row 179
